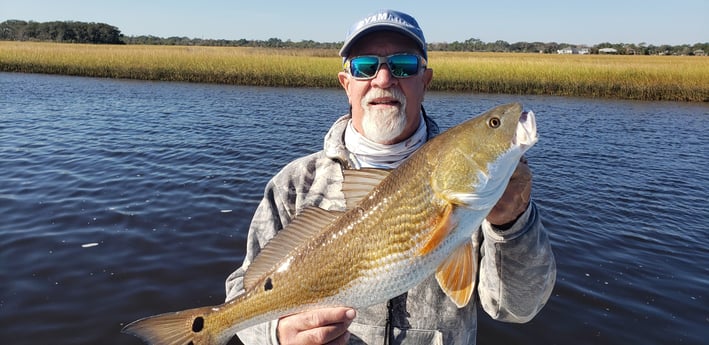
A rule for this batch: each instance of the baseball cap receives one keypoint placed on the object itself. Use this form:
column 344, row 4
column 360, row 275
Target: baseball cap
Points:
column 385, row 20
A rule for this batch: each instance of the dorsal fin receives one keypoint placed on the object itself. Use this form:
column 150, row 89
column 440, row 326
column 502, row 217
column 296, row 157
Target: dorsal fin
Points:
column 358, row 183
column 305, row 226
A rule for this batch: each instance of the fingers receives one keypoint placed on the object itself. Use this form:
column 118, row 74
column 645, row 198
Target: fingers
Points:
column 321, row 326
column 521, row 182
column 515, row 199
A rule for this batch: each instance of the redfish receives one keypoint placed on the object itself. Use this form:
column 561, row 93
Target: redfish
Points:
column 400, row 227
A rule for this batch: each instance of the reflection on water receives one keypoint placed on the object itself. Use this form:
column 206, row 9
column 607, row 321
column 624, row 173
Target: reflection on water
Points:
column 122, row 199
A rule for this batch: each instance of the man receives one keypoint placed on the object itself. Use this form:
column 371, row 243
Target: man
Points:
column 385, row 79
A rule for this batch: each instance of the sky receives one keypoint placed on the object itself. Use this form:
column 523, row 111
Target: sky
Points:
column 582, row 22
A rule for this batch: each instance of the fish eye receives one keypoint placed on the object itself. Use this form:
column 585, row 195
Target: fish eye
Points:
column 494, row 122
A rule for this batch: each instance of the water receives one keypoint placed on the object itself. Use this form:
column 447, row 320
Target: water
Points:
column 122, row 199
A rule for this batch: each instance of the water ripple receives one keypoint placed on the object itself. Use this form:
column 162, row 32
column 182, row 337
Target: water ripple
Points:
column 136, row 200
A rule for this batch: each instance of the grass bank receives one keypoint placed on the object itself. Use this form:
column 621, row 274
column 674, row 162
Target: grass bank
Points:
column 674, row 78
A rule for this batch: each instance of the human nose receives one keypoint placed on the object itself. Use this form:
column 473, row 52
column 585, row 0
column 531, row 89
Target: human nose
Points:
column 384, row 78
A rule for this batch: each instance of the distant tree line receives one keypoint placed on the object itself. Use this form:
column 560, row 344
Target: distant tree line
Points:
column 470, row 45
column 80, row 32
column 67, row 31
column 270, row 43
column 475, row 44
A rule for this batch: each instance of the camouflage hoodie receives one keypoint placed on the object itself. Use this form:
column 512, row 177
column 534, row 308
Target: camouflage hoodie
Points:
column 424, row 315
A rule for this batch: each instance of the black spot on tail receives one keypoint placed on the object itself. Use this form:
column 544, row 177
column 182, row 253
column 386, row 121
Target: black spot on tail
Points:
column 198, row 324
column 268, row 285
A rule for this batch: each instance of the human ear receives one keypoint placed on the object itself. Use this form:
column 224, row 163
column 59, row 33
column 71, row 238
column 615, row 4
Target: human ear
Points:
column 344, row 79
column 427, row 77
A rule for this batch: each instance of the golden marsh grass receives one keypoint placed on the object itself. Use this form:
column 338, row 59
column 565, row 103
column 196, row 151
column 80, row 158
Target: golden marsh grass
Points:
column 674, row 78
column 677, row 78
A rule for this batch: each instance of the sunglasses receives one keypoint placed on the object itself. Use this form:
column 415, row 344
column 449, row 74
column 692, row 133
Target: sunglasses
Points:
column 400, row 65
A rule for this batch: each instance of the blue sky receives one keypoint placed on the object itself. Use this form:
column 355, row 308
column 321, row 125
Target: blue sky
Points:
column 570, row 21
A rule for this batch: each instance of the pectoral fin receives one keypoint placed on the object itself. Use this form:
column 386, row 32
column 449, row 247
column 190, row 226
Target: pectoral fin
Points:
column 442, row 228
column 456, row 275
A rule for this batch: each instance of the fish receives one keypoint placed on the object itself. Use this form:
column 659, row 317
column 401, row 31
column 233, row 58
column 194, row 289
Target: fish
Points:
column 399, row 227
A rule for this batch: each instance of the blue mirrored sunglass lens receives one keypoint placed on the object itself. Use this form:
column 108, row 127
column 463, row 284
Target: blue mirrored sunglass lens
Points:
column 364, row 66
column 404, row 65
column 400, row 66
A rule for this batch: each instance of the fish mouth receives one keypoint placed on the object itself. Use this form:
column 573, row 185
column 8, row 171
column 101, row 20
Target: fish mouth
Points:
column 526, row 133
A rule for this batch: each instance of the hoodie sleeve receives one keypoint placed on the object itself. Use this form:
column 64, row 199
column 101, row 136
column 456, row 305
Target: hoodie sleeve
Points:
column 267, row 220
column 517, row 269
column 314, row 180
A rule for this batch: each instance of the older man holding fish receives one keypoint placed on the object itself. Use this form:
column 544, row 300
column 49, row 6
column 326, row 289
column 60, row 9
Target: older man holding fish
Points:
column 386, row 124
column 386, row 235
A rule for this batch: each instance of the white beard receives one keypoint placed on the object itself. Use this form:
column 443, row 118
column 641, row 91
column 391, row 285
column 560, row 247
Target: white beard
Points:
column 383, row 125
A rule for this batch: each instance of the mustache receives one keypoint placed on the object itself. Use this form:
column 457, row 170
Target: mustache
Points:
column 375, row 93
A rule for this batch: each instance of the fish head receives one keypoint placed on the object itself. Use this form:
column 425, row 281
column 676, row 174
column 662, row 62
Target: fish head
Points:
column 476, row 158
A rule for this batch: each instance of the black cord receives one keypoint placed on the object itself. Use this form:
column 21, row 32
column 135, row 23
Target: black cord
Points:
column 388, row 329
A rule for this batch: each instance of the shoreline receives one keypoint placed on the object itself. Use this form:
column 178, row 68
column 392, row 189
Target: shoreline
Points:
column 649, row 78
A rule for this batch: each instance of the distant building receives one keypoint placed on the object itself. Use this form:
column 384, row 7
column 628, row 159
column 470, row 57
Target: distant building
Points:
column 607, row 51
column 699, row 52
column 572, row 50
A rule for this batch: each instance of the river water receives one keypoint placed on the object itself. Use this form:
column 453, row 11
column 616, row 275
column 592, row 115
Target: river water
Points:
column 122, row 199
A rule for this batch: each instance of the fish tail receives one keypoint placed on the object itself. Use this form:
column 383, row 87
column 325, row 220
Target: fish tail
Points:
column 178, row 328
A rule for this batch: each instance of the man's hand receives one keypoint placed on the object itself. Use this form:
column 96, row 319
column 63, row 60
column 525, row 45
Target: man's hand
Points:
column 515, row 199
column 321, row 326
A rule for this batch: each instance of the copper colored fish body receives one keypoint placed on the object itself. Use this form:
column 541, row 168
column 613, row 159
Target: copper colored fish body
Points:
column 399, row 228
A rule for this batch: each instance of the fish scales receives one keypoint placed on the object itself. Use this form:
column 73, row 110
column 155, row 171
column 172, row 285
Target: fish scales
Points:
column 408, row 213
column 419, row 216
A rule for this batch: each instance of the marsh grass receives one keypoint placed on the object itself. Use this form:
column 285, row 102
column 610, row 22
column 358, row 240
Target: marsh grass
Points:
column 675, row 78
column 250, row 66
